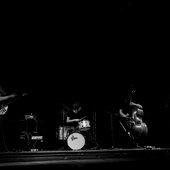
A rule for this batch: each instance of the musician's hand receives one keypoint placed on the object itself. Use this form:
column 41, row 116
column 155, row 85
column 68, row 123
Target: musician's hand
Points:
column 127, row 115
column 77, row 120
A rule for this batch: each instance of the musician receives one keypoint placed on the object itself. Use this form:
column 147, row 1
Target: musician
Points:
column 3, row 109
column 132, row 114
column 127, row 111
column 3, row 98
column 74, row 117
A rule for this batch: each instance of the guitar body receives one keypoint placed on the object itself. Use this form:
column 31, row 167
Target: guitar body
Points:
column 3, row 110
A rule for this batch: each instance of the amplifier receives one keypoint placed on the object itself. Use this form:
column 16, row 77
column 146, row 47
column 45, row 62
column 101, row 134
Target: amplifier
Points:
column 36, row 137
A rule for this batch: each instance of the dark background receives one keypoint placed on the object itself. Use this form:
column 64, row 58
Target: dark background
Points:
column 59, row 53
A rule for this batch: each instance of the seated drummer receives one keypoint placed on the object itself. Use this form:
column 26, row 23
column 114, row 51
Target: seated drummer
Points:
column 74, row 117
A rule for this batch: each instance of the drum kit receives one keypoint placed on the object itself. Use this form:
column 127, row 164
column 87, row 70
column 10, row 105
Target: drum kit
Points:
column 29, row 137
column 73, row 136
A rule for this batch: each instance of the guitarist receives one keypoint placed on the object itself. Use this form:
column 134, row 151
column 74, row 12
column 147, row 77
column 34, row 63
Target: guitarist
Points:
column 3, row 109
column 4, row 98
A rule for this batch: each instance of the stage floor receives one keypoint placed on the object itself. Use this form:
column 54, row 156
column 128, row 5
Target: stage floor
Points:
column 103, row 158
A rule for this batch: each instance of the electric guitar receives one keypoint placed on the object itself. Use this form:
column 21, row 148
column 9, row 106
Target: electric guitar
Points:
column 3, row 110
column 4, row 106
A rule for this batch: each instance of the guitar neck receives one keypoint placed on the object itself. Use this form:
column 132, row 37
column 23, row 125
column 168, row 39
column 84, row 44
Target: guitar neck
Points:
column 123, row 117
column 11, row 98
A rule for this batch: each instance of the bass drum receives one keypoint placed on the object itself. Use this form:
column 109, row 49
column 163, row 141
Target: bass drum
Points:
column 76, row 141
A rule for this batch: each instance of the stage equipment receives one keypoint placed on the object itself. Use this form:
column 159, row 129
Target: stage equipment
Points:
column 84, row 125
column 30, row 139
column 76, row 141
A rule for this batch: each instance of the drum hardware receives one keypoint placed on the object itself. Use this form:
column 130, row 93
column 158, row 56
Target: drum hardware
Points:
column 63, row 132
column 28, row 117
column 30, row 138
column 84, row 125
column 37, row 138
column 29, row 141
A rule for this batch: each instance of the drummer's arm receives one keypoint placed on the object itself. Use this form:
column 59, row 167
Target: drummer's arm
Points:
column 68, row 120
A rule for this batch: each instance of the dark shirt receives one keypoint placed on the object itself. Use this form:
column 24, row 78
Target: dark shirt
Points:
column 73, row 115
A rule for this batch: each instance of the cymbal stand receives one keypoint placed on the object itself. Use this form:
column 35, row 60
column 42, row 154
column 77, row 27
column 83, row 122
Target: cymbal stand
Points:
column 63, row 126
column 94, row 128
column 2, row 134
column 112, row 136
column 111, row 125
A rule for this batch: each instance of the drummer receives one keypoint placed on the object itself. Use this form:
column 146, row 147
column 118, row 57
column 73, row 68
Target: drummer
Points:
column 74, row 119
column 75, row 115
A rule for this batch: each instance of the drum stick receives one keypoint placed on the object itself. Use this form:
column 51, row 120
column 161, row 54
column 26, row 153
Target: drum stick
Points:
column 82, row 118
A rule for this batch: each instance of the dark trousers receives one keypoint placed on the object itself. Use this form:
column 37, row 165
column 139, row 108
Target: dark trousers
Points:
column 90, row 142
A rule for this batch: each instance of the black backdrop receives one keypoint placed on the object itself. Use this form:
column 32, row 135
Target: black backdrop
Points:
column 62, row 54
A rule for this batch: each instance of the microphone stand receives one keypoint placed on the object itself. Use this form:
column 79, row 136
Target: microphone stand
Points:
column 111, row 123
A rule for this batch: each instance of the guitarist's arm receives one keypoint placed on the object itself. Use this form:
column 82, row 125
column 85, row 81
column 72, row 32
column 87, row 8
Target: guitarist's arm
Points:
column 4, row 98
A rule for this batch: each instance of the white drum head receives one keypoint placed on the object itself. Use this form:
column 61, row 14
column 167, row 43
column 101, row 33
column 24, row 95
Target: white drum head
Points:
column 76, row 141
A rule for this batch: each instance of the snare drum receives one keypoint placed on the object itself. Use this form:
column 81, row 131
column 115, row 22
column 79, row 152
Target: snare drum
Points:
column 76, row 141
column 84, row 125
